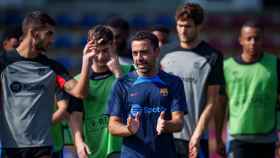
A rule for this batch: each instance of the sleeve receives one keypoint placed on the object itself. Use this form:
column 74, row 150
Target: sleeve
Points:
column 216, row 75
column 61, row 95
column 179, row 98
column 62, row 75
column 75, row 105
column 116, row 100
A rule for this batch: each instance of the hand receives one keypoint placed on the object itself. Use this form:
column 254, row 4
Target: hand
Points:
column 194, row 146
column 133, row 124
column 220, row 148
column 89, row 53
column 161, row 123
column 114, row 66
column 82, row 150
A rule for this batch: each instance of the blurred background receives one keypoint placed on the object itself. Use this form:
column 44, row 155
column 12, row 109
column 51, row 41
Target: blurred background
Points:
column 74, row 17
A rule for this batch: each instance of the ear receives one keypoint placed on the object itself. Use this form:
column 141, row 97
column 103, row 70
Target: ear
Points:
column 34, row 33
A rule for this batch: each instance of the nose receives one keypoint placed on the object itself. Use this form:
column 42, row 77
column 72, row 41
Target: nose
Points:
column 139, row 56
column 253, row 41
column 184, row 29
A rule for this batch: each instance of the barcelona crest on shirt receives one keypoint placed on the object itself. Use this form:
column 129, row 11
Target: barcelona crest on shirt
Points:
column 163, row 91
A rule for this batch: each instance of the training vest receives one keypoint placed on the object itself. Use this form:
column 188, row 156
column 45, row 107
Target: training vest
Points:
column 252, row 93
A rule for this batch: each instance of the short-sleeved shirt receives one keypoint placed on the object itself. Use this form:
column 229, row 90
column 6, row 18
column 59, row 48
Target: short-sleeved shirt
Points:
column 28, row 87
column 198, row 68
column 148, row 96
column 75, row 105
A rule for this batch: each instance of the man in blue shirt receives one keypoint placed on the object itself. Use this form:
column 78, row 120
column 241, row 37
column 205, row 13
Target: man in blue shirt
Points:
column 147, row 105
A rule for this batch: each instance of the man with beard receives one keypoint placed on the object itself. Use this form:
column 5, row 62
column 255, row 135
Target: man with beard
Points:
column 121, row 32
column 28, row 83
column 201, row 68
column 147, row 105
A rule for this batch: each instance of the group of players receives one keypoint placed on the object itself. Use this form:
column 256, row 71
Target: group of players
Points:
column 157, row 105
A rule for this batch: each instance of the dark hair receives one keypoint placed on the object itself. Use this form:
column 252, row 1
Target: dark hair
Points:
column 160, row 28
column 145, row 35
column 118, row 22
column 101, row 35
column 254, row 24
column 36, row 20
column 11, row 32
column 190, row 11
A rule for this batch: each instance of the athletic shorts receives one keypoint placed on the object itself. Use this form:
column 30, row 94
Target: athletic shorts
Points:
column 33, row 152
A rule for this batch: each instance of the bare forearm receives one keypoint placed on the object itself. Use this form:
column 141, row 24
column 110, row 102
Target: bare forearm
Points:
column 173, row 126
column 117, row 128
column 58, row 116
column 75, row 123
column 203, row 120
column 61, row 112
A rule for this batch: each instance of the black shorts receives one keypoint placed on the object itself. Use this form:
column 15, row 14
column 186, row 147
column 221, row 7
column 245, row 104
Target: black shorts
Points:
column 32, row 152
column 242, row 149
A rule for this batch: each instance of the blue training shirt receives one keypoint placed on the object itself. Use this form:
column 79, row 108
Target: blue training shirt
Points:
column 149, row 96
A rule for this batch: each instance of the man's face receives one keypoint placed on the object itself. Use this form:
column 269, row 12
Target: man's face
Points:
column 10, row 44
column 103, row 54
column 251, row 40
column 144, row 56
column 187, row 30
column 43, row 38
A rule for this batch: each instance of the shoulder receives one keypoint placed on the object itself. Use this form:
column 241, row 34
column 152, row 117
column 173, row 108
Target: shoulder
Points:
column 210, row 52
column 270, row 55
column 168, row 49
column 7, row 58
column 208, row 48
column 169, row 78
column 130, row 77
column 54, row 65
column 228, row 61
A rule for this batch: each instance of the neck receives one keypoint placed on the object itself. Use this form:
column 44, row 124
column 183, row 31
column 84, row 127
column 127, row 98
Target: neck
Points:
column 190, row 45
column 250, row 57
column 148, row 74
column 99, row 69
column 25, row 50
